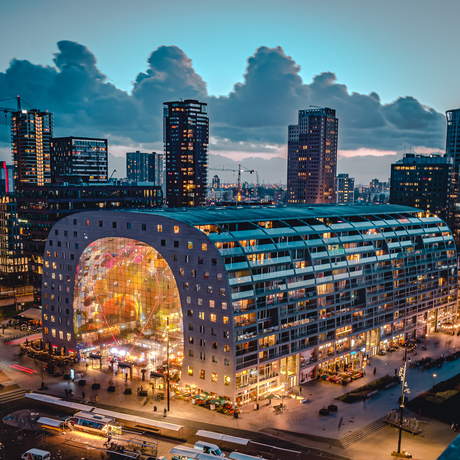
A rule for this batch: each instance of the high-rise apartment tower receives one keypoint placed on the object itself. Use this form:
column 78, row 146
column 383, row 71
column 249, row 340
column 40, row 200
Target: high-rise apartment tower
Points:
column 345, row 189
column 453, row 135
column 32, row 131
column 312, row 157
column 185, row 135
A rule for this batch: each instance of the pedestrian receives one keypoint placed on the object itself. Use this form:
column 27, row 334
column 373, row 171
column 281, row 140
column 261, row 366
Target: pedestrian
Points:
column 164, row 412
column 83, row 395
column 375, row 370
column 66, row 393
column 142, row 388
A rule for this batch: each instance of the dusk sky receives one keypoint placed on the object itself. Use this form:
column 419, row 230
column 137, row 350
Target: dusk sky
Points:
column 390, row 69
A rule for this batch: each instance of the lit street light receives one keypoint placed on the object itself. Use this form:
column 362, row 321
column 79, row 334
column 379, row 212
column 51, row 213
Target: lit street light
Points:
column 434, row 379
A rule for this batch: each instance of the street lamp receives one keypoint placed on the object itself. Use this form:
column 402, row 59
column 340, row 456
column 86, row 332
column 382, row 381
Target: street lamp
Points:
column 434, row 379
column 404, row 389
column 167, row 355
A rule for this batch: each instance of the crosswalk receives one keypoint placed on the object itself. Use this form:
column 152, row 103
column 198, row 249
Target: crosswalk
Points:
column 13, row 395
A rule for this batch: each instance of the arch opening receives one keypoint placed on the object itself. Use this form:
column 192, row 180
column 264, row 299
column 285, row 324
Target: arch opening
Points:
column 126, row 303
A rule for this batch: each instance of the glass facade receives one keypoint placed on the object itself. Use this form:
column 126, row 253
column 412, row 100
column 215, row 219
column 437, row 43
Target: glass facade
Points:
column 125, row 298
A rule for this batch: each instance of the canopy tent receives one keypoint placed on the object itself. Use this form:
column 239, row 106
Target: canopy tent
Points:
column 222, row 437
column 32, row 314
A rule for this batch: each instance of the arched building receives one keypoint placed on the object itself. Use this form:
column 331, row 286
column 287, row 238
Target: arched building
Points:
column 252, row 299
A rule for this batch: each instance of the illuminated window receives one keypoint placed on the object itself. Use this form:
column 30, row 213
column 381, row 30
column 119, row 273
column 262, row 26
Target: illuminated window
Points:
column 181, row 272
column 45, row 317
column 61, row 335
column 200, row 301
column 226, row 362
column 226, row 334
column 190, row 371
column 226, row 380
column 202, row 374
column 211, row 304
column 225, row 319
column 201, row 315
column 206, row 276
column 213, row 317
column 188, row 299
column 227, row 348
column 190, row 340
column 190, row 245
column 214, row 359
column 159, row 228
column 46, row 331
column 53, row 332
column 87, row 223
column 224, row 305
column 204, row 247
column 222, row 291
column 219, row 277
column 214, row 377
column 176, row 229
column 53, row 319
column 197, row 287
column 209, row 289
column 189, row 312
column 185, row 286
column 69, row 337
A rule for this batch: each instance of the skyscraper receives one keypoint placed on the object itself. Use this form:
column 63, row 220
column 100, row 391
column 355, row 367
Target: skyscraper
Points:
column 453, row 136
column 312, row 157
column 185, row 135
column 137, row 166
column 345, row 189
column 32, row 131
column 81, row 158
column 158, row 170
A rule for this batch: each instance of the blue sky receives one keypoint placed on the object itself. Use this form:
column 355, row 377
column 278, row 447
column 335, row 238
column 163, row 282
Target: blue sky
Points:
column 392, row 48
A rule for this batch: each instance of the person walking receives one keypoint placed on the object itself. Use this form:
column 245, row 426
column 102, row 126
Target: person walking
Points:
column 83, row 395
column 375, row 370
column 164, row 412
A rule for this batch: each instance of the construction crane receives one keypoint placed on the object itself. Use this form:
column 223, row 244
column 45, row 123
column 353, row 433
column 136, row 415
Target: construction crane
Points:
column 7, row 110
column 113, row 172
column 239, row 170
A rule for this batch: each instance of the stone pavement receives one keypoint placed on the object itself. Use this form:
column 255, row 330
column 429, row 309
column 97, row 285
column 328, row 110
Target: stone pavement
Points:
column 302, row 421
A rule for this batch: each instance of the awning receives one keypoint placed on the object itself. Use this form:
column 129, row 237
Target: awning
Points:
column 124, row 365
column 156, row 375
column 31, row 313
column 50, row 422
column 93, row 356
column 222, row 437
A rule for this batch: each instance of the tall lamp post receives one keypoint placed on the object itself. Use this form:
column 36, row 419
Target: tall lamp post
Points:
column 404, row 389
column 434, row 379
column 167, row 357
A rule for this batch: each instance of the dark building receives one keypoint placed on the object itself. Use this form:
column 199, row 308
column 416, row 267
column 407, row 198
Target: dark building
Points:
column 31, row 133
column 425, row 182
column 82, row 158
column 137, row 166
column 312, row 157
column 186, row 135
column 453, row 135
column 345, row 189
column 40, row 208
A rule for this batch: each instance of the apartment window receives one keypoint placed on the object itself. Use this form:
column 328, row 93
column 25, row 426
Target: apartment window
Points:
column 202, row 374
column 214, row 359
column 197, row 287
column 224, row 305
column 214, row 262
column 87, row 222
column 75, row 221
column 219, row 277
column 65, row 232
column 159, row 228
column 101, row 224
column 190, row 326
column 204, row 247
column 176, row 244
column 202, row 342
column 67, row 311
column 53, row 319
column 222, row 291
column 45, row 317
column 213, row 331
column 75, row 234
column 209, row 289
column 190, row 313
column 226, row 380
column 46, row 331
column 69, row 337
column 225, row 319
column 128, row 225
column 200, row 260
column 226, row 334
column 114, row 225
column 174, row 257
column 206, row 275
column 185, row 286
column 214, row 377
column 193, row 273
column 226, row 362
column 190, row 340
column 61, row 335
column 190, row 353
column 181, row 271
column 53, row 332
column 201, row 315
column 200, row 301
column 187, row 259
column 144, row 227
column 188, row 299
column 203, row 356
column 77, row 245
column 190, row 245
column 190, row 371
column 227, row 348
column 176, row 229
column 202, row 329
column 214, row 345
column 163, row 243
column 213, row 317
column 211, row 304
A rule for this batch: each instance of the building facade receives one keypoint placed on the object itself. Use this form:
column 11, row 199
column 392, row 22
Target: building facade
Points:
column 186, row 138
column 453, row 136
column 249, row 300
column 6, row 178
column 312, row 157
column 81, row 157
column 32, row 131
column 345, row 189
column 428, row 182
column 137, row 166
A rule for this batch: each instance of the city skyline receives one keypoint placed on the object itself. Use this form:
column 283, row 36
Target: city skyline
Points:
column 390, row 97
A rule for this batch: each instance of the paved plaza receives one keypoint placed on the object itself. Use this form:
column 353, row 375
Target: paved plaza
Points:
column 361, row 428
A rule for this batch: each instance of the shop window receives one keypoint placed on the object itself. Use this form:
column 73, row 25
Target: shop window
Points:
column 190, row 371
column 214, row 377
column 202, row 374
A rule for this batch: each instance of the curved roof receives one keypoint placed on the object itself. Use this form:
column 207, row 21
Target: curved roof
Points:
column 211, row 215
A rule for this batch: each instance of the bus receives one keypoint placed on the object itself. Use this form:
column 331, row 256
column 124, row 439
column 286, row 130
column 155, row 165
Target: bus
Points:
column 93, row 423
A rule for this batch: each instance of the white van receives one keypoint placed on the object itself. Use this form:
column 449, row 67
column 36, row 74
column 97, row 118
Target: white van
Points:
column 36, row 454
column 208, row 448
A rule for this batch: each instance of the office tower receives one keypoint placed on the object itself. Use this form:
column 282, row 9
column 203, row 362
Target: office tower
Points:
column 215, row 182
column 185, row 135
column 345, row 189
column 367, row 278
column 428, row 182
column 6, row 178
column 453, row 136
column 312, row 157
column 79, row 159
column 32, row 131
column 159, row 171
column 137, row 166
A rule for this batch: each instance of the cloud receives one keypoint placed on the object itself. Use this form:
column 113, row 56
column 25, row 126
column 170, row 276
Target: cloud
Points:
column 252, row 118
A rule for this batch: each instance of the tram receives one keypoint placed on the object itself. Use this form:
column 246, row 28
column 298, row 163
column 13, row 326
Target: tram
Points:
column 93, row 423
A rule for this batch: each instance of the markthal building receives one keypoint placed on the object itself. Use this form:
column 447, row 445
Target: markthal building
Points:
column 245, row 301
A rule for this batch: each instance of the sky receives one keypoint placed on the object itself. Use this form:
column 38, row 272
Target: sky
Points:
column 390, row 69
